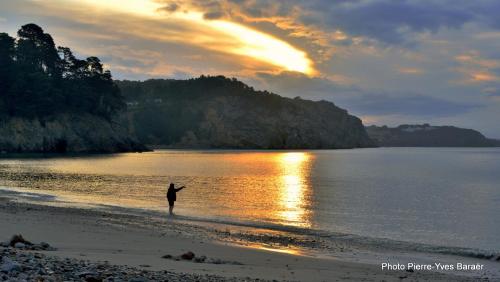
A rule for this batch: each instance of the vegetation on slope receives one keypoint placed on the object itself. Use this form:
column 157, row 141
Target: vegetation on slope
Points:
column 219, row 112
column 51, row 101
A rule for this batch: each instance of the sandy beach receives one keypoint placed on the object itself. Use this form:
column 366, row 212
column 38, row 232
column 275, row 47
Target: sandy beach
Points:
column 140, row 243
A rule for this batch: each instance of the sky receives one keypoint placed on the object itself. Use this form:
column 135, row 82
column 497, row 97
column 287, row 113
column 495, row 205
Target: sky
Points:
column 387, row 62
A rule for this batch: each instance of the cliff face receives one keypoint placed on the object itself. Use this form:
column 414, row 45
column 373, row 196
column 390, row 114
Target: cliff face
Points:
column 63, row 133
column 428, row 136
column 232, row 123
column 51, row 101
column 233, row 115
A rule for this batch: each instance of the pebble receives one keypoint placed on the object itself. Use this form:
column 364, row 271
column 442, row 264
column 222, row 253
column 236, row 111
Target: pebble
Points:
column 20, row 266
column 17, row 241
column 19, row 245
column 8, row 265
column 190, row 256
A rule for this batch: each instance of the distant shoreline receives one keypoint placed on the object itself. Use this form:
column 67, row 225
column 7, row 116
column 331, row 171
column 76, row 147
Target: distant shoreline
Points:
column 426, row 135
column 13, row 155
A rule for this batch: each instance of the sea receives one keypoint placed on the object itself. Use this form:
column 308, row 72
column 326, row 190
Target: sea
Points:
column 441, row 199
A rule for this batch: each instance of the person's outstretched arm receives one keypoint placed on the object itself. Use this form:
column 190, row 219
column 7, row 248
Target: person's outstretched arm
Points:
column 179, row 189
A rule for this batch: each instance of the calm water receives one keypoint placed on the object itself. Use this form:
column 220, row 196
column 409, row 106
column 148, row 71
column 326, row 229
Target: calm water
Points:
column 442, row 196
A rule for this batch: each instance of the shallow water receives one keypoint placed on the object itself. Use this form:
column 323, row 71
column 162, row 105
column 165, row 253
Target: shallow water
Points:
column 439, row 196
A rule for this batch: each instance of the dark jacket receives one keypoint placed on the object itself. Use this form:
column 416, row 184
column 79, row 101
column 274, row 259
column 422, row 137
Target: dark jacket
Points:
column 172, row 194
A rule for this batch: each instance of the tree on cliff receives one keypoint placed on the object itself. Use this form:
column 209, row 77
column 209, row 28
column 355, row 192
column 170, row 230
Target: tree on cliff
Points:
column 221, row 112
column 7, row 50
column 39, row 80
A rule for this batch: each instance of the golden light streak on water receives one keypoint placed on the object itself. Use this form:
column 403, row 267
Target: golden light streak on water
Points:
column 272, row 186
column 293, row 194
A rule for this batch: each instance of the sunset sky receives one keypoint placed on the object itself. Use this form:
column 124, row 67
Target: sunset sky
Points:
column 388, row 62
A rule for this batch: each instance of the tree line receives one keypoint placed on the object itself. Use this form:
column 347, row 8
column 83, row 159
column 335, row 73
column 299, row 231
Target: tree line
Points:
column 38, row 79
column 165, row 110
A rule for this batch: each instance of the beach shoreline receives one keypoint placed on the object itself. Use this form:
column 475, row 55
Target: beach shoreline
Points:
column 141, row 242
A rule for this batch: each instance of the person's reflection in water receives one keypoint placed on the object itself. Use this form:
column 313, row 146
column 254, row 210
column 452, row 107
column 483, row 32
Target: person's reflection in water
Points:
column 172, row 197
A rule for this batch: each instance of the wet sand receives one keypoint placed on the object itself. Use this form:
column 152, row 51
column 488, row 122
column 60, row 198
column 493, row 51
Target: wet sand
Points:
column 140, row 242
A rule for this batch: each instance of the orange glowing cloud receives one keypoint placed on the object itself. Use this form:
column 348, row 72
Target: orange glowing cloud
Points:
column 476, row 60
column 476, row 69
column 483, row 76
column 212, row 34
column 414, row 71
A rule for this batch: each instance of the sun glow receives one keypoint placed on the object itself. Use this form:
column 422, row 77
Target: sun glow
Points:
column 145, row 8
column 264, row 47
column 294, row 187
column 220, row 35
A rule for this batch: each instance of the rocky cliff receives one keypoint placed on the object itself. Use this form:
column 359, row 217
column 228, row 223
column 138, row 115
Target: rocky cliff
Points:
column 217, row 112
column 426, row 135
column 66, row 133
column 51, row 101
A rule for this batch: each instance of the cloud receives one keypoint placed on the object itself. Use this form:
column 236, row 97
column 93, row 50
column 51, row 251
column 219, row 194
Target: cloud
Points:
column 492, row 91
column 392, row 21
column 414, row 71
column 131, row 21
column 389, row 22
column 279, row 18
column 362, row 101
column 477, row 69
column 408, row 105
column 169, row 7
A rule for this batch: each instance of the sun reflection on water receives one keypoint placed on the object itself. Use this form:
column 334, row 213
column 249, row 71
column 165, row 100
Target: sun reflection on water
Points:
column 268, row 187
column 294, row 193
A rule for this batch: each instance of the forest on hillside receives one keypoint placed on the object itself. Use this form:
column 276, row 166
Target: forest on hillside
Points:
column 165, row 109
column 39, row 80
column 51, row 101
column 221, row 112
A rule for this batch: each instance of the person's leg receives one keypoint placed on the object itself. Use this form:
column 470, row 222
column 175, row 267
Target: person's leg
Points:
column 171, row 207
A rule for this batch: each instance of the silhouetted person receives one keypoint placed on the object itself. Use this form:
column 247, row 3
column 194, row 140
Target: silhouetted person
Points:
column 172, row 196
